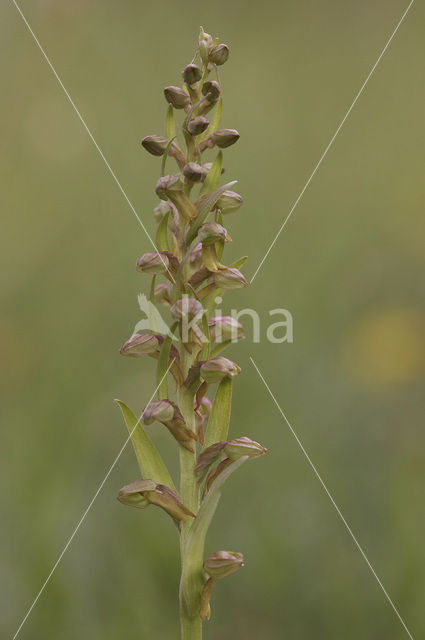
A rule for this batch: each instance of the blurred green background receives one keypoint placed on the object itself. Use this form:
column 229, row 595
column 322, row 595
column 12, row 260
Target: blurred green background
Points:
column 349, row 266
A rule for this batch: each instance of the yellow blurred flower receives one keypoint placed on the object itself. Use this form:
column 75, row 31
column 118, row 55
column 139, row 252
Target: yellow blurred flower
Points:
column 386, row 348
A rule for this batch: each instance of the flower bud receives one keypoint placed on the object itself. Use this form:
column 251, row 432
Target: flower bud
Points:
column 162, row 209
column 225, row 328
column 211, row 90
column 207, row 458
column 191, row 74
column 244, row 446
column 168, row 414
column 194, row 172
column 171, row 188
column 205, row 44
column 154, row 262
column 133, row 494
column 161, row 410
column 177, row 97
column 229, row 202
column 156, row 145
column 212, row 232
column 218, row 368
column 186, row 307
column 142, row 493
column 197, row 125
column 162, row 294
column 219, row 54
column 223, row 563
column 167, row 184
column 225, row 137
column 229, row 278
column 141, row 344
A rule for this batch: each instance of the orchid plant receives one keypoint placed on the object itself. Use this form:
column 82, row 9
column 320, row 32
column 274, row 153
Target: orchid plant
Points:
column 187, row 277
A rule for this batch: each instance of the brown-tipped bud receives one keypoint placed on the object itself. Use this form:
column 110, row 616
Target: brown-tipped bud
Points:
column 168, row 414
column 142, row 493
column 192, row 74
column 166, row 499
column 141, row 344
column 161, row 410
column 162, row 209
column 218, row 368
column 244, row 446
column 171, row 188
column 219, row 54
column 225, row 328
column 229, row 278
column 133, row 494
column 153, row 262
column 225, row 137
column 223, row 563
column 177, row 97
column 205, row 44
column 168, row 184
column 162, row 294
column 211, row 90
column 197, row 125
column 229, row 202
column 212, row 232
column 194, row 172
column 156, row 145
column 186, row 307
column 207, row 458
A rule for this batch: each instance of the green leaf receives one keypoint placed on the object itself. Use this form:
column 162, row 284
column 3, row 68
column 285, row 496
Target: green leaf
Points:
column 165, row 156
column 218, row 422
column 219, row 246
column 239, row 263
column 219, row 348
column 213, row 176
column 192, row 579
column 205, row 355
column 216, row 120
column 150, row 462
column 163, row 364
column 162, row 234
column 207, row 203
column 170, row 127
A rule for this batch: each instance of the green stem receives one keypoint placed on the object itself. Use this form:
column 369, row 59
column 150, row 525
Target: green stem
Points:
column 191, row 628
column 191, row 581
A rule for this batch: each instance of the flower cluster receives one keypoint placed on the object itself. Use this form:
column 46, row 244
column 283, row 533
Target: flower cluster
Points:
column 187, row 275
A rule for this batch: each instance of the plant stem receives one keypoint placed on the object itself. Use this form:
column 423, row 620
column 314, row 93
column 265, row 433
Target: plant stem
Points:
column 191, row 576
column 191, row 628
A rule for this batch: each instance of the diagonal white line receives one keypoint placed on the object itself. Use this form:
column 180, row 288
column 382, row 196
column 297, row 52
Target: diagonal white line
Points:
column 87, row 510
column 322, row 157
column 102, row 155
column 319, row 477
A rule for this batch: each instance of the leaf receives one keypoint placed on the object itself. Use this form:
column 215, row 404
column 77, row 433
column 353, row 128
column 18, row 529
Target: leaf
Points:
column 150, row 462
column 219, row 348
column 218, row 422
column 205, row 354
column 206, row 204
column 215, row 122
column 219, row 246
column 162, row 234
column 165, row 155
column 213, row 176
column 170, row 128
column 192, row 579
column 239, row 263
column 163, row 364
